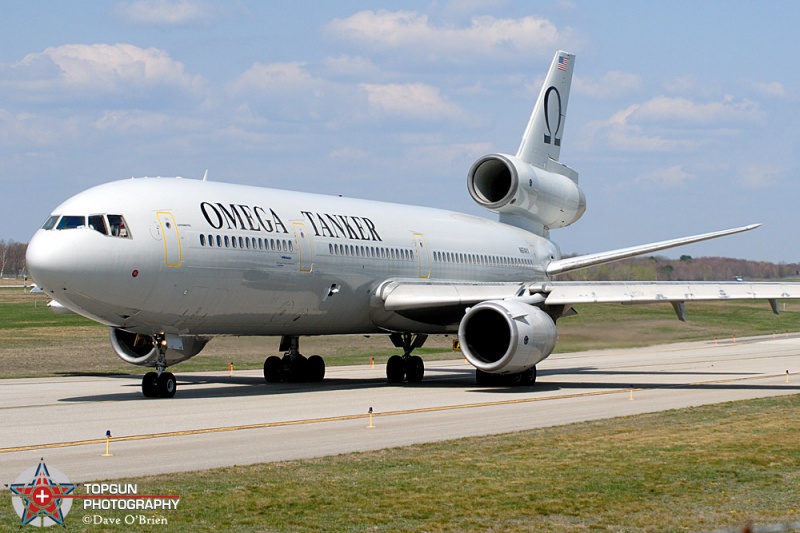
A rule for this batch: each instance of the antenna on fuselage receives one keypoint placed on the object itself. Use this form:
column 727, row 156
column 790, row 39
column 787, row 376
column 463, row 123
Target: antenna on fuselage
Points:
column 205, row 176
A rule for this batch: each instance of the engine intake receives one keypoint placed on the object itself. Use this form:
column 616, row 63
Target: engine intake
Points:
column 506, row 184
column 138, row 349
column 506, row 337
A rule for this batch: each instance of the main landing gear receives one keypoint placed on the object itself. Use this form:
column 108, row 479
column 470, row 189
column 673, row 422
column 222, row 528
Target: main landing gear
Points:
column 293, row 366
column 406, row 366
column 160, row 384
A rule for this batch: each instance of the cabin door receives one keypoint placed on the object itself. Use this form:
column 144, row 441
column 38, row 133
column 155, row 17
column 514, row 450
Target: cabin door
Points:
column 173, row 255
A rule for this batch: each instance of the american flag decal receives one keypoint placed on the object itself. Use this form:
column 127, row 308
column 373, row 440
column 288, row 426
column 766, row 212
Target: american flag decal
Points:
column 563, row 61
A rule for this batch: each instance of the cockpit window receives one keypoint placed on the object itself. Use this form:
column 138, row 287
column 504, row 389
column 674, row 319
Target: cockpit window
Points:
column 118, row 226
column 98, row 223
column 71, row 222
column 50, row 223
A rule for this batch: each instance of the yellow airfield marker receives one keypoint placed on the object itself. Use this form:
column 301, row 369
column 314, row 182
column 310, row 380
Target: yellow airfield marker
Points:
column 787, row 376
column 370, row 426
column 108, row 439
column 631, row 396
column 230, row 368
column 372, row 362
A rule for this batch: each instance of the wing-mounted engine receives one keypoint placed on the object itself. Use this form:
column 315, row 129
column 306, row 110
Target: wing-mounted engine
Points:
column 508, row 185
column 506, row 336
column 138, row 349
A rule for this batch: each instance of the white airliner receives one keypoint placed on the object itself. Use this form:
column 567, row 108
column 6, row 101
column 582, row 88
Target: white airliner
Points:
column 168, row 263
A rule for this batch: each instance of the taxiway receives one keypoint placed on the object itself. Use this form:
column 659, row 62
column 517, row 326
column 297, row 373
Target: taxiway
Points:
column 220, row 420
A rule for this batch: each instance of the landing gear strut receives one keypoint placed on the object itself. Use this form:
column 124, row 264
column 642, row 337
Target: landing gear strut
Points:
column 406, row 366
column 160, row 384
column 293, row 366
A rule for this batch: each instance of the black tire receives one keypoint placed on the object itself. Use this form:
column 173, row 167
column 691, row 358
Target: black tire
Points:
column 395, row 369
column 297, row 368
column 167, row 385
column 315, row 369
column 273, row 368
column 415, row 369
column 149, row 387
column 484, row 379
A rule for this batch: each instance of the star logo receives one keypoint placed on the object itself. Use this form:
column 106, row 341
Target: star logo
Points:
column 39, row 496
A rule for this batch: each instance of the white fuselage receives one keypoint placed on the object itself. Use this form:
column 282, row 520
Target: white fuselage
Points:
column 209, row 258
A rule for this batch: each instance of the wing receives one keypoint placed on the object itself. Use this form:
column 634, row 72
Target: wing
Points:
column 448, row 300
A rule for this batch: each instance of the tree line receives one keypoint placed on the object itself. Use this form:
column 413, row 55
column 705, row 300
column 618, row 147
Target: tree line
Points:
column 687, row 268
column 12, row 259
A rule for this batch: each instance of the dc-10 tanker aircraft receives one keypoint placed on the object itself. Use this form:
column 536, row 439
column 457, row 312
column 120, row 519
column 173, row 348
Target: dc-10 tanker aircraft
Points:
column 168, row 263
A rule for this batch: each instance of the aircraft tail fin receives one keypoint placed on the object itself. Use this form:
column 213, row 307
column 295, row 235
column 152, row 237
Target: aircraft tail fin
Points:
column 542, row 139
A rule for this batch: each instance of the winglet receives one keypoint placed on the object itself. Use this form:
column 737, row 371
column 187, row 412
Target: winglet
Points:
column 575, row 263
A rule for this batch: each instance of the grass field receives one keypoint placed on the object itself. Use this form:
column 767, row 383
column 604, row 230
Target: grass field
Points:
column 696, row 469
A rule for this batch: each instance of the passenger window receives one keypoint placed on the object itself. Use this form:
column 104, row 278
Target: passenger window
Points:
column 50, row 223
column 98, row 223
column 118, row 226
column 71, row 222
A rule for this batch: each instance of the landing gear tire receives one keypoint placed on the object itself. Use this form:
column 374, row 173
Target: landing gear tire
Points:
column 395, row 369
column 273, row 368
column 166, row 385
column 294, row 368
column 415, row 369
column 518, row 379
column 485, row 379
column 149, row 387
column 315, row 369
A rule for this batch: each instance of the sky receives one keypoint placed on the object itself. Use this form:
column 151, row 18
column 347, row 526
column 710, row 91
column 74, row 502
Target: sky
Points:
column 682, row 116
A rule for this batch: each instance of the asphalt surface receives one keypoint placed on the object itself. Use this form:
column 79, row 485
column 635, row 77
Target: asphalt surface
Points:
column 217, row 419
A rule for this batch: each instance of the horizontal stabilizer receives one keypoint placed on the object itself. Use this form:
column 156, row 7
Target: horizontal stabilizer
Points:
column 584, row 261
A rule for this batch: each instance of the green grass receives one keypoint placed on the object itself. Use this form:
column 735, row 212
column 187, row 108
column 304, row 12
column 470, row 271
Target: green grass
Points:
column 695, row 469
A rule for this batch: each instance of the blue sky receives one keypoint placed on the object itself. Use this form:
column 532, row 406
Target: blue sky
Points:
column 682, row 117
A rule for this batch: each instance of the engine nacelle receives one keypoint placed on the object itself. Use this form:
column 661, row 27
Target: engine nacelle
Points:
column 506, row 184
column 138, row 349
column 506, row 337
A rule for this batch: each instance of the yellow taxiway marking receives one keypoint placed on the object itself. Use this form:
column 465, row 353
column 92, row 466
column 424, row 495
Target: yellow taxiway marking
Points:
column 305, row 421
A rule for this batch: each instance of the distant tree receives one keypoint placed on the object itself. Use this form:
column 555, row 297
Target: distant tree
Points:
column 686, row 258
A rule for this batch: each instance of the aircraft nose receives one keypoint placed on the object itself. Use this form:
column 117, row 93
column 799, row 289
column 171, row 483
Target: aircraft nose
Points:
column 51, row 260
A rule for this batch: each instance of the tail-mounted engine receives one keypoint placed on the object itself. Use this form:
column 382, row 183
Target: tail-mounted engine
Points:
column 138, row 349
column 508, row 185
column 506, row 337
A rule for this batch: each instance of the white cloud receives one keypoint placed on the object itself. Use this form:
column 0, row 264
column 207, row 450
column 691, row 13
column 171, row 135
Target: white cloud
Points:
column 668, row 123
column 166, row 12
column 88, row 70
column 618, row 132
column 759, row 176
column 773, row 89
column 411, row 100
column 614, row 84
column 274, row 76
column 673, row 176
column 662, row 108
column 485, row 36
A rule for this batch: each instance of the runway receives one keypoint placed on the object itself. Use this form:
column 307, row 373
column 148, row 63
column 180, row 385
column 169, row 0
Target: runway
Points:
column 220, row 420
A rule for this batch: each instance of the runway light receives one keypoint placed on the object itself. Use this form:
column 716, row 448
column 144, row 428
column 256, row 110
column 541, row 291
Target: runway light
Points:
column 370, row 426
column 787, row 376
column 108, row 439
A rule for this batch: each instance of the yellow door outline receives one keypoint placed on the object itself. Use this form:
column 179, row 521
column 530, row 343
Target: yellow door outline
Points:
column 422, row 256
column 303, row 247
column 173, row 254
